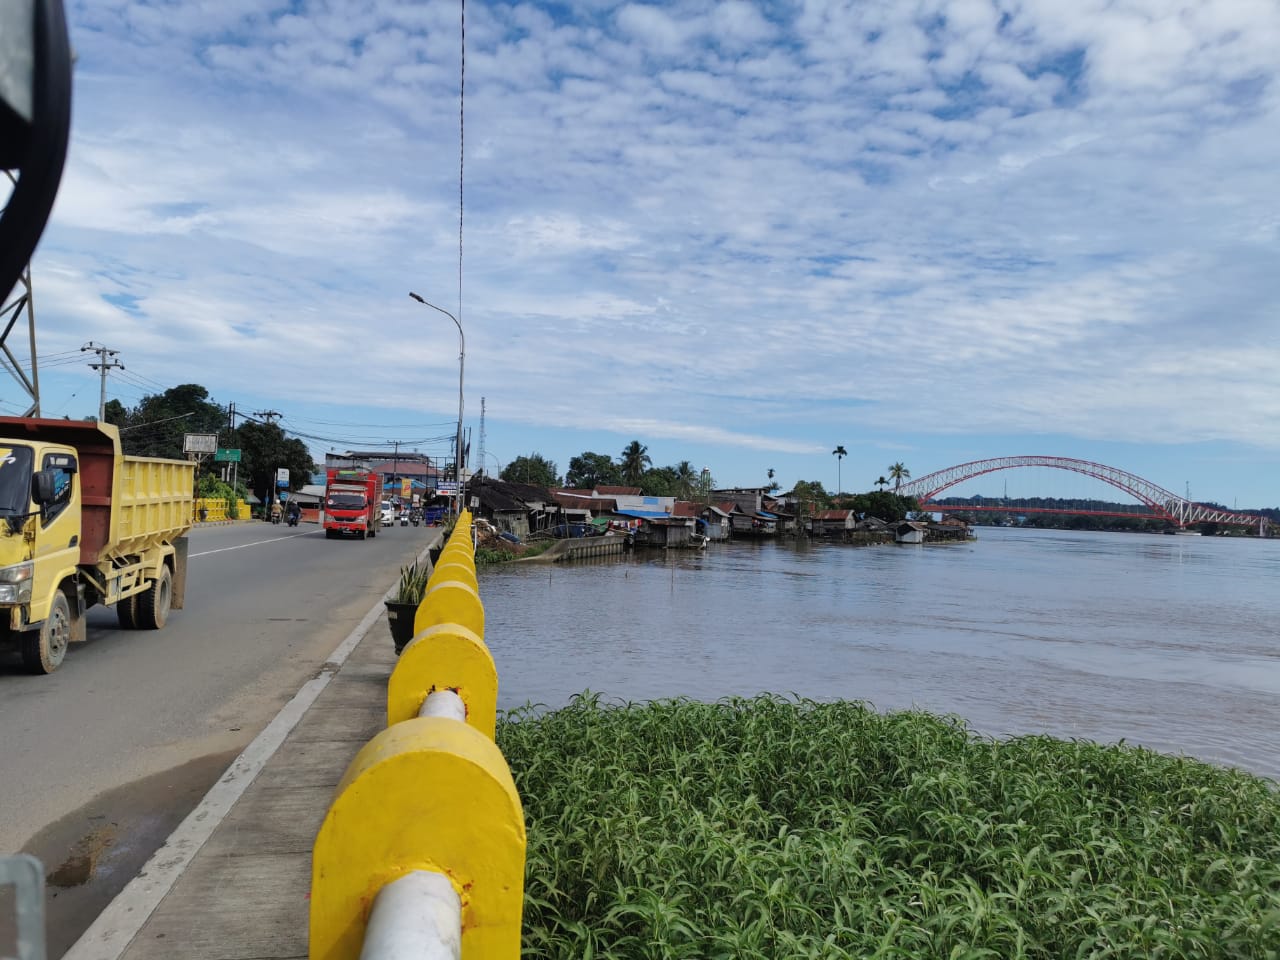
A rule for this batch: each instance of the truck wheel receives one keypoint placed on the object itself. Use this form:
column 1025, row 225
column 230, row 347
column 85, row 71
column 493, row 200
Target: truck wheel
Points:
column 328, row 534
column 127, row 613
column 153, row 605
column 43, row 649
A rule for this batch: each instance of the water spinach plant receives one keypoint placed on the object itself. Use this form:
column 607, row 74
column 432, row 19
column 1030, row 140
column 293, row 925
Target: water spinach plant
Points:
column 774, row 828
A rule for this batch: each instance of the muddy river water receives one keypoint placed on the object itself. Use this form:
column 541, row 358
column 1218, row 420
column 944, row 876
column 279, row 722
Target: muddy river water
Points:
column 1170, row 642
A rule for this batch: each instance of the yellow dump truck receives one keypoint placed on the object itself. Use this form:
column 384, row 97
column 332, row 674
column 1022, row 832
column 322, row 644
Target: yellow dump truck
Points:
column 81, row 524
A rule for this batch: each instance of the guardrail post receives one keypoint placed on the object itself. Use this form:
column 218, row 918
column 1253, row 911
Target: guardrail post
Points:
column 429, row 794
column 446, row 656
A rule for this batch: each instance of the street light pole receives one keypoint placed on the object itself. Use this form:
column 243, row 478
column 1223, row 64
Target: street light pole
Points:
column 462, row 357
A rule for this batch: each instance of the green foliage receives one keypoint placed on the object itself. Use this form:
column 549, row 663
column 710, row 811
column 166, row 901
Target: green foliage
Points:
column 590, row 470
column 635, row 461
column 264, row 448
column 210, row 487
column 687, row 481
column 534, row 469
column 412, row 584
column 486, row 556
column 881, row 504
column 770, row 828
column 897, row 473
column 155, row 427
column 811, row 495
column 659, row 482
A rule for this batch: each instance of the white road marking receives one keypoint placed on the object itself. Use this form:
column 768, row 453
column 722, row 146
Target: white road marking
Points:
column 256, row 543
column 111, row 934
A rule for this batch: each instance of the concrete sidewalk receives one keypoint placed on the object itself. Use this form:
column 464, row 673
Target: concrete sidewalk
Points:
column 241, row 891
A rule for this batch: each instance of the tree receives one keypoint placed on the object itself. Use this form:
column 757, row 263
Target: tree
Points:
column 590, row 470
column 686, row 480
column 659, row 482
column 881, row 482
column 635, row 460
column 155, row 427
column 534, row 469
column 811, row 496
column 264, row 449
column 773, row 485
column 839, row 453
column 899, row 473
column 883, row 505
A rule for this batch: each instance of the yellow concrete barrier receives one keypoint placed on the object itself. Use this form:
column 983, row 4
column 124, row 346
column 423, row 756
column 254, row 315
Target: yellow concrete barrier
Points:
column 445, row 657
column 426, row 794
column 453, row 569
column 450, row 601
column 428, row 800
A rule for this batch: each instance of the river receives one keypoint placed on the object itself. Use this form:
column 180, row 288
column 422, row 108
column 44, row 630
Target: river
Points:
column 1168, row 642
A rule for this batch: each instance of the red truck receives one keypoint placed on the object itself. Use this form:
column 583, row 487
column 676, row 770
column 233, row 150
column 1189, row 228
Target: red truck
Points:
column 352, row 503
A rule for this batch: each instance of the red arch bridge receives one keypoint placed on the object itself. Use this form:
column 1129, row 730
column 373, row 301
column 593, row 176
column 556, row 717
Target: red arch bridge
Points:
column 1162, row 503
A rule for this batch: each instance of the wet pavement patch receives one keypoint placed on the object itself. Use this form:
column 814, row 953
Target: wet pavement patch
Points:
column 92, row 853
column 77, row 869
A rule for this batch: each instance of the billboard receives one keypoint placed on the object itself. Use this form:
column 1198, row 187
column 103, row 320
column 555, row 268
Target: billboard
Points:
column 199, row 443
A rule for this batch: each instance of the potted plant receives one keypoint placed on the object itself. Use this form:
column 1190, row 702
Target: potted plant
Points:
column 403, row 605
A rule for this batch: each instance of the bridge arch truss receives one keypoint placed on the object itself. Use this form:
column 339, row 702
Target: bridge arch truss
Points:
column 1163, row 503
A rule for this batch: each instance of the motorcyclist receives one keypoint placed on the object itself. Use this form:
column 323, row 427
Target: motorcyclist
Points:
column 275, row 511
column 293, row 512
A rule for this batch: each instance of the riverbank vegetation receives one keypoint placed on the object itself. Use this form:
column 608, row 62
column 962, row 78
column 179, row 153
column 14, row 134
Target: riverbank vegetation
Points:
column 754, row 828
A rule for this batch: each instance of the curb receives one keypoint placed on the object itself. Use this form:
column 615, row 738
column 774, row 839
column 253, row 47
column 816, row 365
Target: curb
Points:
column 115, row 928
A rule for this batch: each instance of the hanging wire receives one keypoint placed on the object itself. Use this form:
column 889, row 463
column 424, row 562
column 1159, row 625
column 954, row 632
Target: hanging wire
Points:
column 462, row 140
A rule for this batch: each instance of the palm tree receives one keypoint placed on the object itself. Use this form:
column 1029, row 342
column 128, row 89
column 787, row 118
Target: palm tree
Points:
column 899, row 473
column 839, row 453
column 686, row 480
column 635, row 460
column 881, row 482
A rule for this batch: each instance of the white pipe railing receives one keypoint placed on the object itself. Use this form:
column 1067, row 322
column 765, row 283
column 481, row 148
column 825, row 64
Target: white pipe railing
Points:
column 444, row 703
column 417, row 917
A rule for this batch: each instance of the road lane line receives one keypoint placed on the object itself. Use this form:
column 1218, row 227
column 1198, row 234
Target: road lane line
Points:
column 116, row 927
column 256, row 543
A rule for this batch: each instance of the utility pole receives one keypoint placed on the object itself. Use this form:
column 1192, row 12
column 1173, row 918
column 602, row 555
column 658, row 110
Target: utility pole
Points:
column 106, row 361
column 235, row 464
column 269, row 416
column 395, row 464
column 480, row 460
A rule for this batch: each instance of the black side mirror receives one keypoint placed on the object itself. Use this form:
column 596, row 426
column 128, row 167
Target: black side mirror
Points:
column 44, row 486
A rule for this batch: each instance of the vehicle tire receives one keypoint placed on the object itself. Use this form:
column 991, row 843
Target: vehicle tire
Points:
column 127, row 613
column 330, row 534
column 362, row 534
column 153, row 605
column 43, row 649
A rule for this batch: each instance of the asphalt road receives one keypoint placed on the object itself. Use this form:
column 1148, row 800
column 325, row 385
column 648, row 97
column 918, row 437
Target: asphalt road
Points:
column 101, row 759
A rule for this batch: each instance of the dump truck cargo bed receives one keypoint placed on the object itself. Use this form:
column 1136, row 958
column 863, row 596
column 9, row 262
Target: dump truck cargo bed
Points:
column 129, row 504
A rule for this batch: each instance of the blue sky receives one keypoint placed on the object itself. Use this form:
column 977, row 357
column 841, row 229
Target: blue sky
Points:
column 740, row 233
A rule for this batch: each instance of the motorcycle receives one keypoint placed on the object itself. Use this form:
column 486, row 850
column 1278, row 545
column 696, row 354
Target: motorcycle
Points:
column 292, row 519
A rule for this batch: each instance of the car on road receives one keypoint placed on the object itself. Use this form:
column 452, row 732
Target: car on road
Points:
column 388, row 513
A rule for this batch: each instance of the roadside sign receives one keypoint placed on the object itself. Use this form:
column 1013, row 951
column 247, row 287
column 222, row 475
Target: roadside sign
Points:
column 282, row 477
column 446, row 486
column 199, row 443
column 406, row 487
column 225, row 454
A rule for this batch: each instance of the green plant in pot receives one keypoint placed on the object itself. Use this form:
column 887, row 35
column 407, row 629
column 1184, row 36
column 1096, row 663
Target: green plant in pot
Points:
column 403, row 605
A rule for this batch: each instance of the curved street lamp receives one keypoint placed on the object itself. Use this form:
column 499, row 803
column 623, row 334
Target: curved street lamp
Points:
column 462, row 356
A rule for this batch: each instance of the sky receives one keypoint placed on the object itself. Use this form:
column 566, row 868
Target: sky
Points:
column 743, row 234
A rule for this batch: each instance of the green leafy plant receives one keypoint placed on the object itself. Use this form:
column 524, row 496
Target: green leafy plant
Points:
column 413, row 583
column 779, row 828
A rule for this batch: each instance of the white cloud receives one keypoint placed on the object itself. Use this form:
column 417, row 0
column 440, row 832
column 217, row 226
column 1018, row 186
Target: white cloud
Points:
column 1045, row 216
